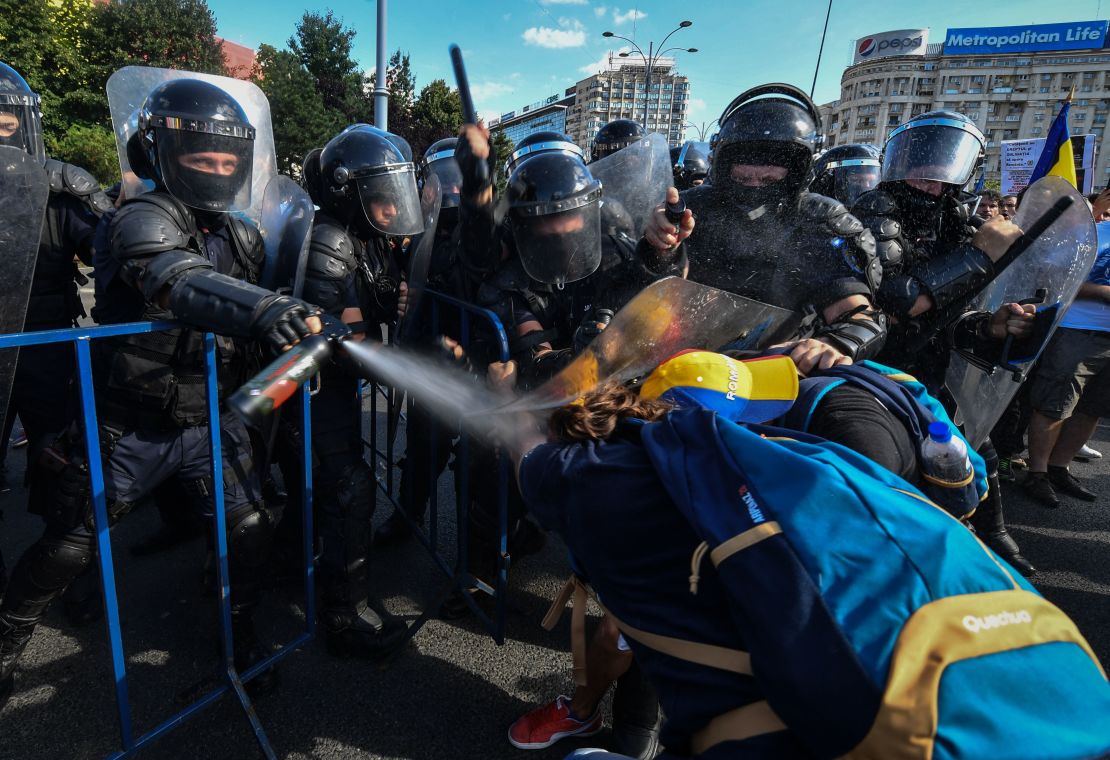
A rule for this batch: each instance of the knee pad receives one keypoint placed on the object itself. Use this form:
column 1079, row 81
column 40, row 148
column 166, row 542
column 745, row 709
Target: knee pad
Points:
column 249, row 537
column 54, row 561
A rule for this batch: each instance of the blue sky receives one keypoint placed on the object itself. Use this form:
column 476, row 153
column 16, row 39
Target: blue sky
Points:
column 520, row 51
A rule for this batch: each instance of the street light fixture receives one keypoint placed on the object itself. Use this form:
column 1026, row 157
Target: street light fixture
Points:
column 652, row 57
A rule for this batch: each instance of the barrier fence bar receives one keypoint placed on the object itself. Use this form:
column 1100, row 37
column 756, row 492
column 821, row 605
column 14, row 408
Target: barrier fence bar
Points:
column 233, row 681
column 458, row 572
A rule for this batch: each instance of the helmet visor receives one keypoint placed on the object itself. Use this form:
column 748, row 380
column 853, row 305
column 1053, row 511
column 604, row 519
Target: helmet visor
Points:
column 390, row 200
column 450, row 178
column 559, row 248
column 850, row 182
column 936, row 150
column 21, row 124
column 207, row 171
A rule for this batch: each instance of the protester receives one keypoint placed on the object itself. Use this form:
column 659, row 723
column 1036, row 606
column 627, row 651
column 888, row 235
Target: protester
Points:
column 1070, row 390
column 1008, row 207
column 643, row 494
column 989, row 205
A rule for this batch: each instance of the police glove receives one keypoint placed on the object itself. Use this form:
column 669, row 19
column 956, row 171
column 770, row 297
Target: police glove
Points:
column 591, row 327
column 280, row 321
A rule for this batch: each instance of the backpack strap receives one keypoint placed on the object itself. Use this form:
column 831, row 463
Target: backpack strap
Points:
column 709, row 655
column 575, row 588
column 736, row 725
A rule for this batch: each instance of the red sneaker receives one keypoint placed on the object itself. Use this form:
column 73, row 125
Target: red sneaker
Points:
column 548, row 724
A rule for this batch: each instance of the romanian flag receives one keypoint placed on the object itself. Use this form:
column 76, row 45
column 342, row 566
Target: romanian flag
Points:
column 1057, row 158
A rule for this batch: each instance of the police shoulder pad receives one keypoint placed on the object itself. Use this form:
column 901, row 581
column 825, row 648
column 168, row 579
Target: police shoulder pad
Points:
column 331, row 252
column 149, row 224
column 71, row 179
column 248, row 237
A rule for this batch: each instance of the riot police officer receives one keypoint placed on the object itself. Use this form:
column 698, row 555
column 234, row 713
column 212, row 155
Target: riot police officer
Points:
column 691, row 166
column 933, row 256
column 366, row 190
column 761, row 235
column 428, row 442
column 614, row 136
column 174, row 253
column 541, row 142
column 43, row 387
column 846, row 172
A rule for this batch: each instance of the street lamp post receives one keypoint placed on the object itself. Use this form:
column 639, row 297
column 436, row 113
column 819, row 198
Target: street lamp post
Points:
column 652, row 58
column 702, row 130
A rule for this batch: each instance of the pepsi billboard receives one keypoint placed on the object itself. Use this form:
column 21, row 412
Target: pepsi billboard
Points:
column 1078, row 35
column 886, row 44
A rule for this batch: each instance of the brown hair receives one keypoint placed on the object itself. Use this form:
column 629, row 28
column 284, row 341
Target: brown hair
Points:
column 594, row 417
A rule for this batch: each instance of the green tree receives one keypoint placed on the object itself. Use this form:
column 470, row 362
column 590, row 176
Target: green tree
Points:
column 502, row 147
column 401, row 84
column 91, row 147
column 323, row 45
column 301, row 120
column 436, row 113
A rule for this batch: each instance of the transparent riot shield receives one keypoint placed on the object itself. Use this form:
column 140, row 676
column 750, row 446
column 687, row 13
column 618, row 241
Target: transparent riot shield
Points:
column 1048, row 273
column 420, row 256
column 127, row 91
column 24, row 190
column 668, row 316
column 634, row 180
column 286, row 228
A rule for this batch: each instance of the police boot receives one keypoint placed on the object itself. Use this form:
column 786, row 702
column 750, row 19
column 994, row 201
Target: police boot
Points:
column 361, row 632
column 352, row 628
column 15, row 632
column 248, row 651
column 990, row 526
column 636, row 716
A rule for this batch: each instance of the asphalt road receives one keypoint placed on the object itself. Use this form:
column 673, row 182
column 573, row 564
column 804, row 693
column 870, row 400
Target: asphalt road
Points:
column 453, row 694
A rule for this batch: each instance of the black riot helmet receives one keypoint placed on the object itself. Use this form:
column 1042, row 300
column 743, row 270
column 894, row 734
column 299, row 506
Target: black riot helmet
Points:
column 691, row 165
column 846, row 172
column 367, row 182
column 310, row 175
column 555, row 216
column 199, row 145
column 938, row 146
column 20, row 114
column 773, row 125
column 614, row 136
column 542, row 142
column 439, row 159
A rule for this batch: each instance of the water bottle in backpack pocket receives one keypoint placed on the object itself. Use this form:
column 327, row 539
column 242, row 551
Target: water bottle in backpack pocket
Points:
column 945, row 467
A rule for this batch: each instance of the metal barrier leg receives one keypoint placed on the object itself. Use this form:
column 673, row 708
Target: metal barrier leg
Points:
column 221, row 546
column 104, row 540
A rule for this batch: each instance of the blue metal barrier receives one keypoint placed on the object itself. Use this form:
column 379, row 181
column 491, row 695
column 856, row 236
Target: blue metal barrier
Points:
column 383, row 462
column 82, row 337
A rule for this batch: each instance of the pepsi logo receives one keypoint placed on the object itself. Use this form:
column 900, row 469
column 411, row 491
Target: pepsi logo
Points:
column 866, row 47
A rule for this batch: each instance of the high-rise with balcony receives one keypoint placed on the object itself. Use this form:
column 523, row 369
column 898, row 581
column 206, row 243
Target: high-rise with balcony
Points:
column 1011, row 81
column 618, row 91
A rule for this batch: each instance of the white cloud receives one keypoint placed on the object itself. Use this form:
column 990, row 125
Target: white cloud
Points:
column 603, row 62
column 623, row 18
column 600, row 11
column 489, row 90
column 564, row 2
column 570, row 36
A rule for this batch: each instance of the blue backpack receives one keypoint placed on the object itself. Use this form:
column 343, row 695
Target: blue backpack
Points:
column 912, row 404
column 878, row 626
